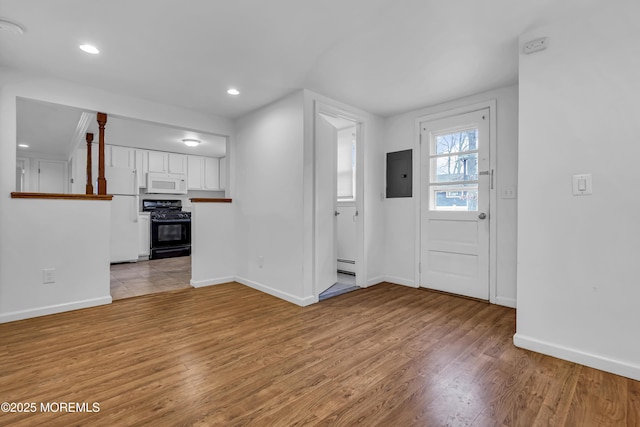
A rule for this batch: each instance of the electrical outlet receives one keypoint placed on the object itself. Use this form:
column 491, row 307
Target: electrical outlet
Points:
column 260, row 261
column 48, row 276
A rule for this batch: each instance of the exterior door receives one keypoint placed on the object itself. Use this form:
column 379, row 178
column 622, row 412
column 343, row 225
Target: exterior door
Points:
column 455, row 180
column 326, row 274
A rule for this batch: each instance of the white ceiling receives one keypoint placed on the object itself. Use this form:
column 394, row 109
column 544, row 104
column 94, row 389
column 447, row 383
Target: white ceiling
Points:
column 153, row 136
column 50, row 131
column 384, row 56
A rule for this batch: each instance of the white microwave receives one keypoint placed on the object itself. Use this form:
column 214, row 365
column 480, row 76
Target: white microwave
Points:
column 166, row 183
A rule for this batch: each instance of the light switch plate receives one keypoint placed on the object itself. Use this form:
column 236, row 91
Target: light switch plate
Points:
column 508, row 192
column 582, row 184
column 48, row 276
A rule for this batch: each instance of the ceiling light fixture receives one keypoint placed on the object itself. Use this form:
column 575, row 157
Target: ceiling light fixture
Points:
column 89, row 49
column 11, row 27
column 23, row 145
column 233, row 91
column 190, row 142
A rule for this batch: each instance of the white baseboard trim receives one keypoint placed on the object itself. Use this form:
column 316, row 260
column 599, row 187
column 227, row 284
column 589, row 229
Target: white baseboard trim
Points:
column 606, row 364
column 53, row 309
column 374, row 281
column 302, row 302
column 211, row 282
column 400, row 281
column 507, row 302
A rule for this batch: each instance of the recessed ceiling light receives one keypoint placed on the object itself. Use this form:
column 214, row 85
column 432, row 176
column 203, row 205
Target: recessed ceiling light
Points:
column 23, row 145
column 190, row 142
column 233, row 91
column 89, row 49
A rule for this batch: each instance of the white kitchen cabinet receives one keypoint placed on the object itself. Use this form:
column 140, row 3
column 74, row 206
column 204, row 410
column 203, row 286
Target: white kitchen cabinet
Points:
column 195, row 173
column 203, row 173
column 144, row 235
column 177, row 163
column 158, row 161
column 211, row 173
column 163, row 162
column 120, row 157
column 142, row 167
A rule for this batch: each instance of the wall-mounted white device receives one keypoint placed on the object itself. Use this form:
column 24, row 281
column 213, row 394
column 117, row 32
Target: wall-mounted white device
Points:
column 535, row 45
column 582, row 185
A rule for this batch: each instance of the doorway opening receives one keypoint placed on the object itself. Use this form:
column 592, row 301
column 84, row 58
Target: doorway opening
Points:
column 339, row 136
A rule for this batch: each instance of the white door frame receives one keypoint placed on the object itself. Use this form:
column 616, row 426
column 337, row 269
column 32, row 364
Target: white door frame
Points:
column 26, row 167
column 361, row 267
column 417, row 183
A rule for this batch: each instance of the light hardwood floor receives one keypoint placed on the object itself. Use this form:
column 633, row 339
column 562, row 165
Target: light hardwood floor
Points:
column 150, row 277
column 228, row 355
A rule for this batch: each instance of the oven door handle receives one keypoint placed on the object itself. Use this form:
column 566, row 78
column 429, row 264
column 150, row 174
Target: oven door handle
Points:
column 171, row 249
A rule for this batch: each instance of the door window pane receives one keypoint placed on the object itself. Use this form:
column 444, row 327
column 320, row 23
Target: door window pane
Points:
column 454, row 197
column 453, row 167
column 462, row 167
column 456, row 142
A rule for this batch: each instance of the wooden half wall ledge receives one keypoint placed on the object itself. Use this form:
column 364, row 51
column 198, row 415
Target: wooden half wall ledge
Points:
column 19, row 195
column 209, row 200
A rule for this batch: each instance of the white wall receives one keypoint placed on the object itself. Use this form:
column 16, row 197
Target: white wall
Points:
column 578, row 291
column 34, row 234
column 213, row 244
column 374, row 220
column 269, row 200
column 274, row 197
column 70, row 236
column 399, row 222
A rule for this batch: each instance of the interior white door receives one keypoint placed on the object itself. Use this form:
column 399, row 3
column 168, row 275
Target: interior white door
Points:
column 326, row 271
column 455, row 180
column 51, row 176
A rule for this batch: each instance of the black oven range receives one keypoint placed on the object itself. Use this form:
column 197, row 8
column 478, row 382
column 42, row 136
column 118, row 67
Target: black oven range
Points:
column 170, row 228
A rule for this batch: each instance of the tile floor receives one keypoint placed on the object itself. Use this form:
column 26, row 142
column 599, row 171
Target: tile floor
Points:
column 162, row 275
column 149, row 277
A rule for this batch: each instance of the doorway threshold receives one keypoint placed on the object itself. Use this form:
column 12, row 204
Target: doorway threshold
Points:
column 346, row 283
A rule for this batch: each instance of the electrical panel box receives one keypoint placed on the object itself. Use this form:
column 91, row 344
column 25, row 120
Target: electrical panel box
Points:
column 400, row 174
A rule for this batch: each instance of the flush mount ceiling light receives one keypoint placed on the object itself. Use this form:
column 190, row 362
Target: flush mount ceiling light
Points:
column 11, row 27
column 190, row 142
column 89, row 49
column 23, row 145
column 233, row 91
